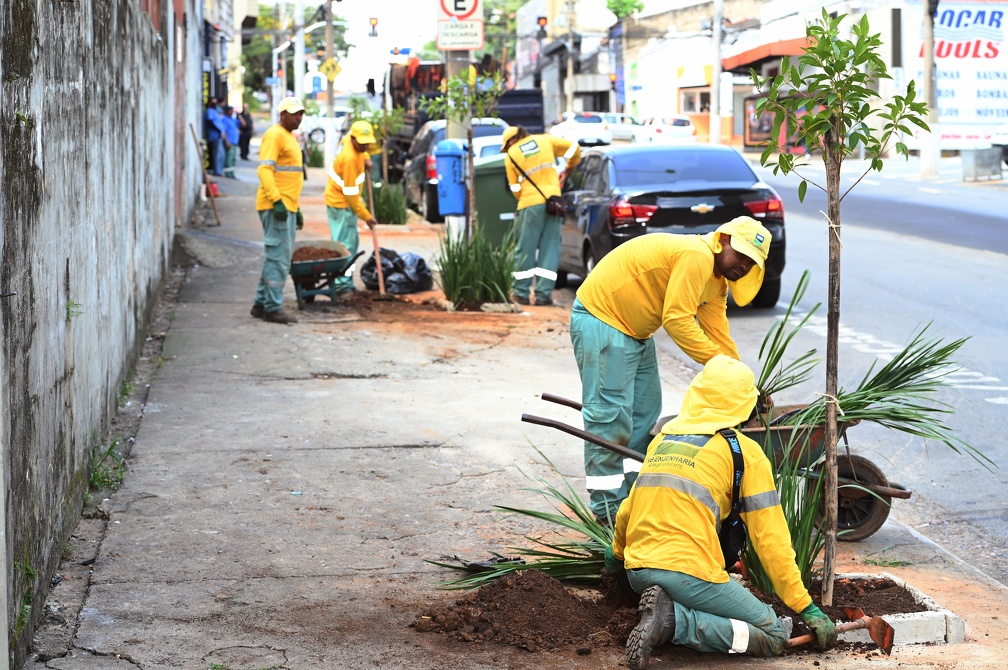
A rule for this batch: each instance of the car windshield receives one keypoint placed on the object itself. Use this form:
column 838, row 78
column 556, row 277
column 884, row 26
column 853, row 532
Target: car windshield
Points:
column 677, row 122
column 587, row 118
column 656, row 167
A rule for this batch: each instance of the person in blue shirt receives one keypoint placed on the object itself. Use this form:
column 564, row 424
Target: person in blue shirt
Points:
column 215, row 137
column 231, row 134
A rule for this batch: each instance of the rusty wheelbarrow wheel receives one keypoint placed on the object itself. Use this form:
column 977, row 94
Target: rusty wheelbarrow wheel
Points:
column 859, row 512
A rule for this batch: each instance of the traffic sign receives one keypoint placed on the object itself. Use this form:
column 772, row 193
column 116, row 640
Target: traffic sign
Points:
column 330, row 68
column 460, row 25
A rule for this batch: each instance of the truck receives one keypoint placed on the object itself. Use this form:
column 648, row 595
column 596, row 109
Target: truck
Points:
column 406, row 85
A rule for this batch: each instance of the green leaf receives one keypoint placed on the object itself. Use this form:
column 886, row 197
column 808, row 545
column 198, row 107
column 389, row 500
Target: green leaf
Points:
column 802, row 188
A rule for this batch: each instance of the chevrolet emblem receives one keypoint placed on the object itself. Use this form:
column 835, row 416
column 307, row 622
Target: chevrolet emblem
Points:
column 702, row 208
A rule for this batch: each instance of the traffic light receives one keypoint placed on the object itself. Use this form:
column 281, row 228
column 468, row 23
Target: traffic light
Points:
column 542, row 25
column 374, row 27
column 612, row 80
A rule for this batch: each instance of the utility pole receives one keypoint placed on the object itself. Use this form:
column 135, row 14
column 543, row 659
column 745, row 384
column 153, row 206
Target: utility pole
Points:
column 299, row 48
column 930, row 147
column 569, row 81
column 715, row 89
column 330, row 36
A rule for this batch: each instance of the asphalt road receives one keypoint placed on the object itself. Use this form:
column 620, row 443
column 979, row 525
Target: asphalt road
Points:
column 914, row 253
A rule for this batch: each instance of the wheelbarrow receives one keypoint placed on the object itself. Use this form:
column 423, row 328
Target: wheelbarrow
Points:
column 318, row 277
column 864, row 493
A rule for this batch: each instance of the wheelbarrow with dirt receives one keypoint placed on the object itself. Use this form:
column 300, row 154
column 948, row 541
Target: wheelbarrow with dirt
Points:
column 317, row 276
column 864, row 493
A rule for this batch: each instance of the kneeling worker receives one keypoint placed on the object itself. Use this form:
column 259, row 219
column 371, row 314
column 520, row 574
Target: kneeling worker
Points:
column 666, row 532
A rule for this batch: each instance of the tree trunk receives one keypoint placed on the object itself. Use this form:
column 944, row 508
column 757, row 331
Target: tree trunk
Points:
column 471, row 183
column 832, row 151
column 384, row 150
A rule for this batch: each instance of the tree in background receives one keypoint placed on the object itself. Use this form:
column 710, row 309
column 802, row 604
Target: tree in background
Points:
column 624, row 8
column 826, row 99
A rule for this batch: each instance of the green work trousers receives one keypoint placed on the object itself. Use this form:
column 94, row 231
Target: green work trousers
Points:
column 343, row 229
column 278, row 238
column 538, row 252
column 715, row 617
column 230, row 158
column 621, row 399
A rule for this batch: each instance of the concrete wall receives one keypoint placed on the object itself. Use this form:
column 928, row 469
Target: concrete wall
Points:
column 87, row 216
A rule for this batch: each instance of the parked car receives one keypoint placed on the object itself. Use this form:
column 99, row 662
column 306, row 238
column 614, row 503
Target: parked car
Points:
column 674, row 129
column 625, row 127
column 484, row 147
column 621, row 192
column 585, row 128
column 315, row 127
column 420, row 164
column 999, row 138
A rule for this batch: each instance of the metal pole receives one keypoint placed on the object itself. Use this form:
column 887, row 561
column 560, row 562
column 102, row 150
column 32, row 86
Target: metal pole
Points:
column 299, row 50
column 715, row 88
column 274, row 90
column 4, row 645
column 569, row 81
column 930, row 148
column 330, row 35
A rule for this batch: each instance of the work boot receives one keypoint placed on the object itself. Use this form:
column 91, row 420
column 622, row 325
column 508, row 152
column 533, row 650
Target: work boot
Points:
column 257, row 310
column 544, row 302
column 521, row 300
column 278, row 316
column 656, row 627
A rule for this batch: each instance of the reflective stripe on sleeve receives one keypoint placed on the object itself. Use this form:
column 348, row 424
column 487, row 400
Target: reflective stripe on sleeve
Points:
column 761, row 501
column 360, row 178
column 604, row 483
column 269, row 163
column 570, row 151
column 683, row 485
column 288, row 168
column 740, row 637
column 335, row 177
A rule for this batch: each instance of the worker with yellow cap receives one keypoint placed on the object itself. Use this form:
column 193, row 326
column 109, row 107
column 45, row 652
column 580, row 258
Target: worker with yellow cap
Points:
column 679, row 282
column 533, row 178
column 344, row 204
column 666, row 531
column 281, row 176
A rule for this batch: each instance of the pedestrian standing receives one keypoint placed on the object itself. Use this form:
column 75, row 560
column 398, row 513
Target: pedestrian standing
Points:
column 214, row 132
column 532, row 176
column 666, row 532
column 281, row 177
column 246, row 127
column 679, row 282
column 344, row 204
column 230, row 122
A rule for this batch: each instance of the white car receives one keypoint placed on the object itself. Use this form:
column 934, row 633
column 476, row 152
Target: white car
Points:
column 585, row 128
column 316, row 127
column 671, row 129
column 625, row 127
column 999, row 138
column 485, row 147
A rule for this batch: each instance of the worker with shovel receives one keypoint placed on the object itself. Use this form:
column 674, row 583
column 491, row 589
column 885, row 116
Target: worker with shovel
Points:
column 676, row 282
column 666, row 534
column 344, row 204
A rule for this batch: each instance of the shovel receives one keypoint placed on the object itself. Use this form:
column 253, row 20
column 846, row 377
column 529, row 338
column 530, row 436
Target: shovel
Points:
column 879, row 630
column 377, row 249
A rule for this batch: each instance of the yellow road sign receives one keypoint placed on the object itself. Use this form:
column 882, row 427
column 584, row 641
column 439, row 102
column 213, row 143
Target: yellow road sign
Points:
column 330, row 68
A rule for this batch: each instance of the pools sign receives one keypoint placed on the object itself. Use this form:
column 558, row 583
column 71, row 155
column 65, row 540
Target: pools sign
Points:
column 971, row 62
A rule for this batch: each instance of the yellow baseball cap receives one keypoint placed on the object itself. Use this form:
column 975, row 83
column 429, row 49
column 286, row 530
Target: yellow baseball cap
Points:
column 749, row 237
column 290, row 105
column 362, row 132
column 509, row 132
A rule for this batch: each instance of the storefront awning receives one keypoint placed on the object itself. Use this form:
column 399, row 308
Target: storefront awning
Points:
column 753, row 58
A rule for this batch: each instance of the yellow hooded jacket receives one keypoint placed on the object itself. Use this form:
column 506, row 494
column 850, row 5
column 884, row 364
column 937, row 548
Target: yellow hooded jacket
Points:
column 663, row 280
column 537, row 155
column 280, row 173
column 683, row 492
column 346, row 175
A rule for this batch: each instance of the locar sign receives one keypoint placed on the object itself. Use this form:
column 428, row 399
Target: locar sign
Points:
column 460, row 25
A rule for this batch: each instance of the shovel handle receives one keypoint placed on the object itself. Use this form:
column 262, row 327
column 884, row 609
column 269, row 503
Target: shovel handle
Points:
column 850, row 625
column 573, row 404
column 374, row 238
column 584, row 435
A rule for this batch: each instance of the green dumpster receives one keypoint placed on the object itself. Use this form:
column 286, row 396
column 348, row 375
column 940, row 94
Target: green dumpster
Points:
column 495, row 204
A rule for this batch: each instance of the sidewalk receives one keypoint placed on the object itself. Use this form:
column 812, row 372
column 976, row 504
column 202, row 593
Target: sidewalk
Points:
column 288, row 482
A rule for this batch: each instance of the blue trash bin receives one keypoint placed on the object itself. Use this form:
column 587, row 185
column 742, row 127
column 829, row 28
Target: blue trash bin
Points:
column 451, row 188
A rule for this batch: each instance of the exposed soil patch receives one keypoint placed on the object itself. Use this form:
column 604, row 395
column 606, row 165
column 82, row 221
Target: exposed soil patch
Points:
column 531, row 610
column 302, row 254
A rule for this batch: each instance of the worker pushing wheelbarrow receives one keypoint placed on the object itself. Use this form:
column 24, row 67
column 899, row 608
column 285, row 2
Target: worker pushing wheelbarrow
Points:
column 864, row 493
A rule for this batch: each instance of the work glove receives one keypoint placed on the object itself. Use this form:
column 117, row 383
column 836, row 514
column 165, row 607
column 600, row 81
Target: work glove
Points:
column 613, row 565
column 824, row 629
column 279, row 210
column 300, row 220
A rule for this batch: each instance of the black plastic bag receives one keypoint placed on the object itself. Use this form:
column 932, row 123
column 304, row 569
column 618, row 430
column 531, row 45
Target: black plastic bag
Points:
column 403, row 273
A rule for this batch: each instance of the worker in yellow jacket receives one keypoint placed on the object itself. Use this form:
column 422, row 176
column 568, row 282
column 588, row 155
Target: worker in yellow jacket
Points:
column 666, row 532
column 532, row 176
column 344, row 204
column 281, row 177
column 679, row 282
